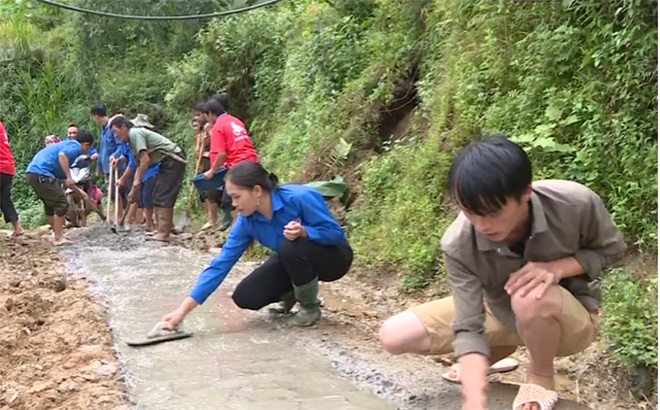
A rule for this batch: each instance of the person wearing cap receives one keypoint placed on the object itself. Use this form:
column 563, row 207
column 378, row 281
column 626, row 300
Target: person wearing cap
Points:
column 7, row 173
column 150, row 148
column 230, row 144
column 49, row 165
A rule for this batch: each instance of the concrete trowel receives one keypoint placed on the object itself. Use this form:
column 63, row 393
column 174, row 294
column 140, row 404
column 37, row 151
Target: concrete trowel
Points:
column 160, row 335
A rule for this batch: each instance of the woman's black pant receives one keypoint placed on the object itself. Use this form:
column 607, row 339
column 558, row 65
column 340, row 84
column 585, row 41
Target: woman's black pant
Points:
column 6, row 204
column 298, row 261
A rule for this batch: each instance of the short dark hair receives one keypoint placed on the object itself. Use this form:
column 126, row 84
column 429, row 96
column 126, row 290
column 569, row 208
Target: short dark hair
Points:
column 486, row 173
column 72, row 124
column 248, row 174
column 199, row 107
column 222, row 99
column 121, row 121
column 99, row 109
column 212, row 106
column 85, row 136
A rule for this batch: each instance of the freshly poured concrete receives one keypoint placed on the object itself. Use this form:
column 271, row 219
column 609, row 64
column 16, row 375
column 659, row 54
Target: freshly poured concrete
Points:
column 235, row 360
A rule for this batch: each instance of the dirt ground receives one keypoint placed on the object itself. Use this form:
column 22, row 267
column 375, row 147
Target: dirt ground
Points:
column 55, row 346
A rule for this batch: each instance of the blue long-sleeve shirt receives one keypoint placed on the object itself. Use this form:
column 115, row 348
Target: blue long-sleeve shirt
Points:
column 123, row 149
column 107, row 147
column 290, row 202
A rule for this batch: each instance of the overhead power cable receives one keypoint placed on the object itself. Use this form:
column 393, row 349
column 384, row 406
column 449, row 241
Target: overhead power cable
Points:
column 163, row 18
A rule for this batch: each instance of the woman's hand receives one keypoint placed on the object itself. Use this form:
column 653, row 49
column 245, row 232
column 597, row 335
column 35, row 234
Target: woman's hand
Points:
column 176, row 316
column 294, row 230
column 173, row 319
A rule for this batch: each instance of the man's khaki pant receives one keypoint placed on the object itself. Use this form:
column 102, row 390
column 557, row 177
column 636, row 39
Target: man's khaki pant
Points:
column 578, row 327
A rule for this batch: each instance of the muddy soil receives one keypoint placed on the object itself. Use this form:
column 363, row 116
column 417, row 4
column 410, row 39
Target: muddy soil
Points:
column 56, row 349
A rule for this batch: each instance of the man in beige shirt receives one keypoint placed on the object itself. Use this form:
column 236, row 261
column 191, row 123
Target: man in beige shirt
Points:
column 522, row 259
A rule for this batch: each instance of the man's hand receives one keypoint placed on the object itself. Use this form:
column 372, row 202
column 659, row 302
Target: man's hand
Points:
column 69, row 183
column 132, row 196
column 474, row 380
column 294, row 230
column 112, row 160
column 533, row 275
column 208, row 174
column 94, row 157
column 121, row 183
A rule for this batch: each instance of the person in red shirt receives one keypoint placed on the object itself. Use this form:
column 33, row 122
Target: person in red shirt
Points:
column 230, row 144
column 7, row 172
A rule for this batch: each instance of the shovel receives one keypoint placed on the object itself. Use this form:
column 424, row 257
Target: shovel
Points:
column 160, row 335
column 114, row 224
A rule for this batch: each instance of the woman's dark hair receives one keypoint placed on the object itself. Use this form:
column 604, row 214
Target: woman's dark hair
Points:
column 214, row 107
column 121, row 122
column 73, row 124
column 248, row 174
column 486, row 173
column 199, row 107
column 99, row 109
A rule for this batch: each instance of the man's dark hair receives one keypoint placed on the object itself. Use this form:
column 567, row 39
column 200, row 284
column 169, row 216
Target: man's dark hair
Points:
column 214, row 107
column 199, row 107
column 248, row 174
column 100, row 110
column 85, row 136
column 222, row 99
column 121, row 122
column 486, row 173
column 73, row 124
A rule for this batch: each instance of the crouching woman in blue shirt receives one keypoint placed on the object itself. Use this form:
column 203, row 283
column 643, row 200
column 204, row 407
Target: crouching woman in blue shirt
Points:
column 293, row 221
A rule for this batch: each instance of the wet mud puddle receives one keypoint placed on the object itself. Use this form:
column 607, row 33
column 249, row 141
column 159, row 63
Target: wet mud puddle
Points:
column 238, row 360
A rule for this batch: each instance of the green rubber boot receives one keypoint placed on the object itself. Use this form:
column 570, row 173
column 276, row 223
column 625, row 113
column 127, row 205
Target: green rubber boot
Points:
column 285, row 305
column 310, row 311
column 226, row 218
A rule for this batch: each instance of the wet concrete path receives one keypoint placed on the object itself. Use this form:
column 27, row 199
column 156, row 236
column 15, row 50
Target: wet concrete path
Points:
column 236, row 359
column 243, row 360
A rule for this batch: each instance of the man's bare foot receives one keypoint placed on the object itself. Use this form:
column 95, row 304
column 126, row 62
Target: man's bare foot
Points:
column 61, row 241
column 158, row 237
column 17, row 233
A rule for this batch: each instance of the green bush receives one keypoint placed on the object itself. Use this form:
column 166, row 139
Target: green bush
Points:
column 630, row 318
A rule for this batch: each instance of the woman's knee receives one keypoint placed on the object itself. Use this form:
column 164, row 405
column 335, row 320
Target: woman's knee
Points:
column 246, row 298
column 291, row 249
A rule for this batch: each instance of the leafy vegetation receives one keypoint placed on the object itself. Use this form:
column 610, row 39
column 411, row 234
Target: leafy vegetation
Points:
column 380, row 92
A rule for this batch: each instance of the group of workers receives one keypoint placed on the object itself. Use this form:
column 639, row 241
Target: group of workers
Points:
column 520, row 256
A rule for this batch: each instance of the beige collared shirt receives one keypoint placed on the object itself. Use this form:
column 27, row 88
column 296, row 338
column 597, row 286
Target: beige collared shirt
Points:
column 568, row 219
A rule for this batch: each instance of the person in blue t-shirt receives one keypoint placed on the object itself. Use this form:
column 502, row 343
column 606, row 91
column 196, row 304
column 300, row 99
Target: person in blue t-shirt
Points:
column 294, row 222
column 49, row 165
